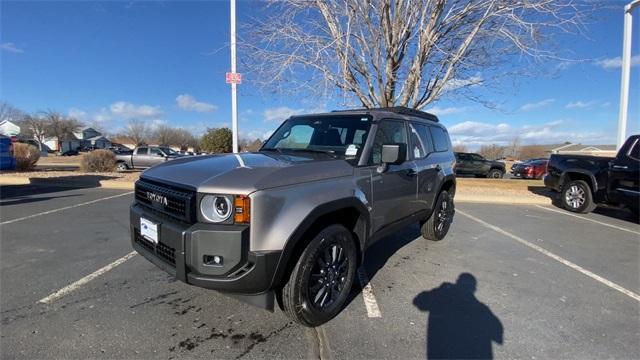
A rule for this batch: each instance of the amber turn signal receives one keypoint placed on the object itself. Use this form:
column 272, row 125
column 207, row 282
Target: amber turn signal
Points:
column 242, row 204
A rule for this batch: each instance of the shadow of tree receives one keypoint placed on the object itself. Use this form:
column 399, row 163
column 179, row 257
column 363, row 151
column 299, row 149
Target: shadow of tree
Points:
column 459, row 325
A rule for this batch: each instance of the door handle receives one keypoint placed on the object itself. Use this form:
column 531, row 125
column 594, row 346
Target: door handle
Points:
column 620, row 167
column 438, row 167
column 411, row 172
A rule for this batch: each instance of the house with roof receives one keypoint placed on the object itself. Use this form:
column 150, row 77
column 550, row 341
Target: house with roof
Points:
column 7, row 128
column 86, row 137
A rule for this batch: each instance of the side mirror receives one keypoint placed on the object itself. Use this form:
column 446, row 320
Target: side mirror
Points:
column 392, row 154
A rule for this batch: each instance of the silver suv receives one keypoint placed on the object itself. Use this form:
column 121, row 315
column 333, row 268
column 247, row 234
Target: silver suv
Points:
column 292, row 221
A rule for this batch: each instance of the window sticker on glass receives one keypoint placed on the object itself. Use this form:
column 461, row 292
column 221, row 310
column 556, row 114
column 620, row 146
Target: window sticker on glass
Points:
column 352, row 150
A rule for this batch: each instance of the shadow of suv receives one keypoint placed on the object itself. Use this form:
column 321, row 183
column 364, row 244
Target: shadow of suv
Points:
column 292, row 221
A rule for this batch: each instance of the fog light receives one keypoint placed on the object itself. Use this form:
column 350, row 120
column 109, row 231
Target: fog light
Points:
column 213, row 260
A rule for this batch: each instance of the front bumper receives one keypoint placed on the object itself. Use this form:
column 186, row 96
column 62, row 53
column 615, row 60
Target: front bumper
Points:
column 182, row 248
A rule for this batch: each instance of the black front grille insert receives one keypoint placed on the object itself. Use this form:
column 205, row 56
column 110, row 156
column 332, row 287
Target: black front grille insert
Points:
column 163, row 251
column 177, row 203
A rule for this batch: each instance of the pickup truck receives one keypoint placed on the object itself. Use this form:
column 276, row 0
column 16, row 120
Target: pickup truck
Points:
column 291, row 222
column 477, row 165
column 585, row 181
column 144, row 157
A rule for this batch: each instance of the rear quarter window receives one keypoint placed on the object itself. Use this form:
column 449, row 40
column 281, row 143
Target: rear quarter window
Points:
column 440, row 139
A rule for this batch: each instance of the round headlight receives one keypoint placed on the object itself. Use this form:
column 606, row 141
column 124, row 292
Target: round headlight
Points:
column 216, row 208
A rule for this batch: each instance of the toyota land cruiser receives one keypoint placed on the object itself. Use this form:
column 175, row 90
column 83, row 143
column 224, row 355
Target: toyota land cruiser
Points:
column 292, row 221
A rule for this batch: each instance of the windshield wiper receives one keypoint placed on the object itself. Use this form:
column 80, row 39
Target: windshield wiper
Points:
column 327, row 152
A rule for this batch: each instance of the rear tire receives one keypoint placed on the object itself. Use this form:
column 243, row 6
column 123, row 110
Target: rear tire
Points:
column 495, row 174
column 576, row 197
column 436, row 228
column 321, row 281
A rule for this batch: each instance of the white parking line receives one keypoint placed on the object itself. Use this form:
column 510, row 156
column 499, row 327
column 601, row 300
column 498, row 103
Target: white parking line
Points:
column 64, row 208
column 373, row 311
column 587, row 219
column 561, row 260
column 73, row 286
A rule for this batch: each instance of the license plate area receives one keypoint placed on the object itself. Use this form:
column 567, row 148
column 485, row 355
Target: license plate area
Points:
column 149, row 230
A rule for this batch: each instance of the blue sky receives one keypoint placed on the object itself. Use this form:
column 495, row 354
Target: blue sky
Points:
column 107, row 62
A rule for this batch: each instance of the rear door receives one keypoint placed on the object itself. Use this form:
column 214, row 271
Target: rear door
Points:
column 422, row 150
column 624, row 174
column 394, row 191
column 463, row 164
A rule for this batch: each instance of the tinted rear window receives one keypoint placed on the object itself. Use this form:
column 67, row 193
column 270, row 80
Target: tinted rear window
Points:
column 440, row 139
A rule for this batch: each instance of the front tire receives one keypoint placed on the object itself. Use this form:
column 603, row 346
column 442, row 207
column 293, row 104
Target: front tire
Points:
column 577, row 197
column 495, row 174
column 437, row 227
column 320, row 283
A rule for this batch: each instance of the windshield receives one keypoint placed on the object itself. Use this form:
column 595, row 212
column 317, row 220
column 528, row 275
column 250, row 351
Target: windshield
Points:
column 169, row 151
column 335, row 135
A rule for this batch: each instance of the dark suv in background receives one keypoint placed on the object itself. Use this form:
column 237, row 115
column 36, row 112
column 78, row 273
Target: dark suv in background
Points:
column 292, row 221
column 476, row 165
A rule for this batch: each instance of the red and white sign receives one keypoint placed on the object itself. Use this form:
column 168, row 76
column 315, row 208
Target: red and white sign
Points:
column 234, row 78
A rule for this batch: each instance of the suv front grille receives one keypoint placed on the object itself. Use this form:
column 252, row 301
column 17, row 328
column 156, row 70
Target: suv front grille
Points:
column 163, row 251
column 177, row 203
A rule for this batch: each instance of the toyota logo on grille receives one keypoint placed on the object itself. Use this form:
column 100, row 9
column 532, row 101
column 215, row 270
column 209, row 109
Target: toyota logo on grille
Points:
column 157, row 198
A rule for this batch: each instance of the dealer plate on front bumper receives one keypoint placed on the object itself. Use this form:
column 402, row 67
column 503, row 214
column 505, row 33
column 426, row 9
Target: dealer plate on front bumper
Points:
column 149, row 230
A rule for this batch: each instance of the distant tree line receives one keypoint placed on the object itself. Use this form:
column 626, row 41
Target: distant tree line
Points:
column 44, row 125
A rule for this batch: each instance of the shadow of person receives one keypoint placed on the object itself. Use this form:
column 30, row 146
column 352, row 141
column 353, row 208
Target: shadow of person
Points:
column 459, row 326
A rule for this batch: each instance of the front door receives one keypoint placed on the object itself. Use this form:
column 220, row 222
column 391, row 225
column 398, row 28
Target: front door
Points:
column 624, row 179
column 394, row 190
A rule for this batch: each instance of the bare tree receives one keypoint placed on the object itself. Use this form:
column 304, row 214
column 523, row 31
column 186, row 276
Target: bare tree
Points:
column 60, row 127
column 399, row 52
column 491, row 152
column 513, row 149
column 137, row 130
column 35, row 127
column 460, row 148
column 10, row 112
column 165, row 135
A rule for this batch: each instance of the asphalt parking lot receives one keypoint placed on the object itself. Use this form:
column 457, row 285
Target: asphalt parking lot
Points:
column 508, row 282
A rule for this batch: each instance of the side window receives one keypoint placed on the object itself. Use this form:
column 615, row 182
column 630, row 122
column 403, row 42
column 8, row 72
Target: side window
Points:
column 389, row 132
column 634, row 153
column 476, row 157
column 440, row 139
column 421, row 143
column 156, row 152
column 142, row 151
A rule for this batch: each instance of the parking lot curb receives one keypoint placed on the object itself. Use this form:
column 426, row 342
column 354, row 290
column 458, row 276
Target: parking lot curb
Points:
column 106, row 184
column 496, row 199
column 14, row 180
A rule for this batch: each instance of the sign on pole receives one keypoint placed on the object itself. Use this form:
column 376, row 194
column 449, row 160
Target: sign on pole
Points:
column 233, row 78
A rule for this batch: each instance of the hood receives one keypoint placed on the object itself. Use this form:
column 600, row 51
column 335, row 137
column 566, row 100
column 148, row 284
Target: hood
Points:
column 247, row 172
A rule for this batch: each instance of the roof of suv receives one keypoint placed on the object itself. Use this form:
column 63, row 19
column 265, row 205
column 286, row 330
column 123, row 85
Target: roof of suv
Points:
column 384, row 112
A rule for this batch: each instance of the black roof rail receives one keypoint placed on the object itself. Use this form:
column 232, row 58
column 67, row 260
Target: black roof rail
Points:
column 399, row 110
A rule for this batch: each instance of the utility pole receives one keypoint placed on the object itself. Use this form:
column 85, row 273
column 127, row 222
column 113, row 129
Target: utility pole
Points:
column 626, row 70
column 234, row 96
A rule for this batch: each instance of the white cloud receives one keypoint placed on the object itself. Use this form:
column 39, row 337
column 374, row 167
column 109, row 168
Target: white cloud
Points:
column 129, row 111
column 11, row 47
column 77, row 113
column 475, row 134
column 446, row 111
column 580, row 104
column 536, row 105
column 189, row 103
column 280, row 114
column 616, row 62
